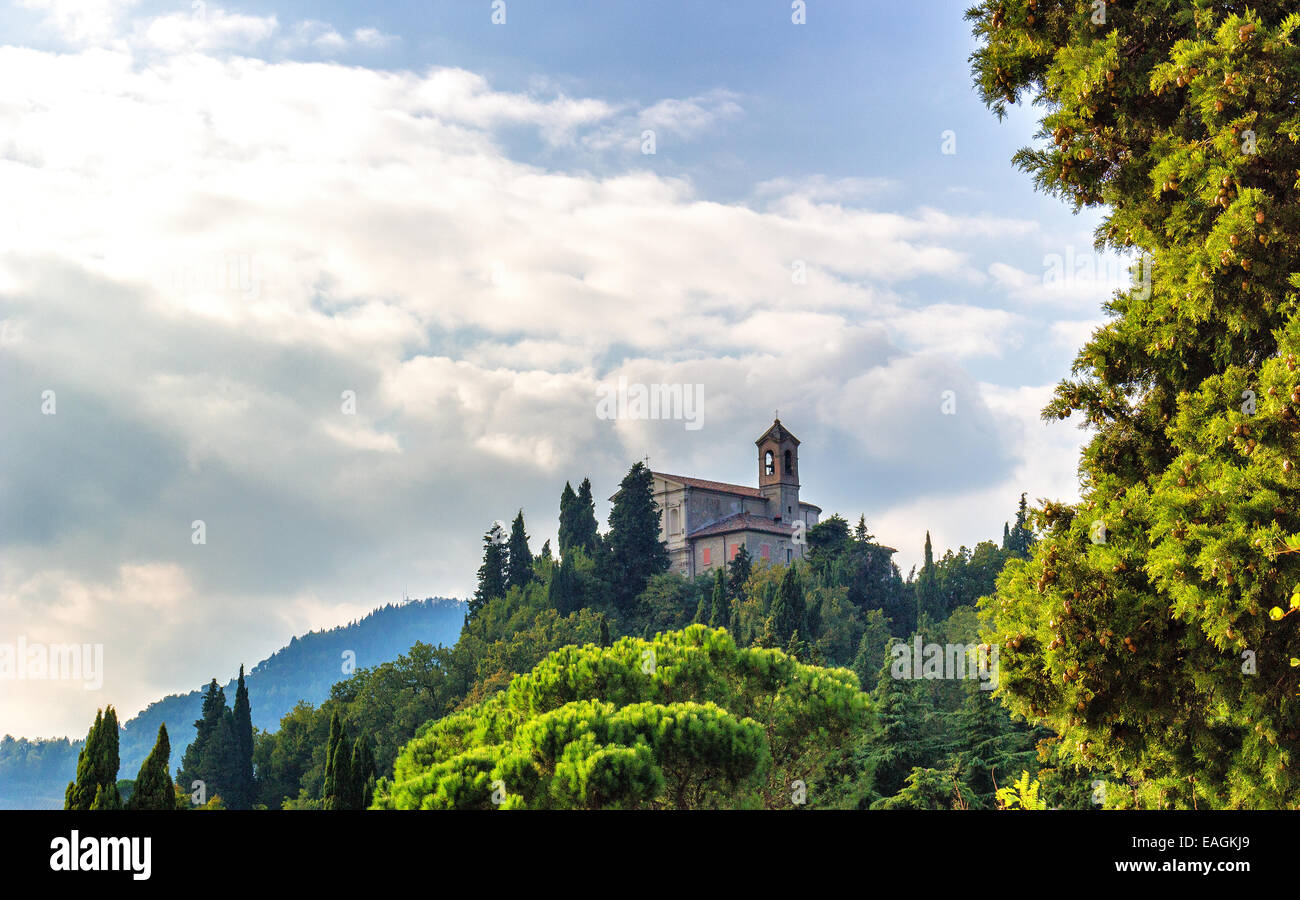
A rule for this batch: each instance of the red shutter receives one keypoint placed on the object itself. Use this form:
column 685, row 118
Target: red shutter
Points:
column 767, row 551
column 707, row 556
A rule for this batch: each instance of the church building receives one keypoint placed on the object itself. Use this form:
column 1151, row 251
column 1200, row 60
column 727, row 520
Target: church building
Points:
column 705, row 523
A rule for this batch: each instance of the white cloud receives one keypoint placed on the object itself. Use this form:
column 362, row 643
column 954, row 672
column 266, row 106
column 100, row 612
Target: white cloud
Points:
column 244, row 240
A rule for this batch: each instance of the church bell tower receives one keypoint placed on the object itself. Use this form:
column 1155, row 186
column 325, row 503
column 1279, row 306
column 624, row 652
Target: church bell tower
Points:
column 778, row 472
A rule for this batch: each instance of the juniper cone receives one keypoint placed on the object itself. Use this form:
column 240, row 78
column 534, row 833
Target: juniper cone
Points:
column 1154, row 622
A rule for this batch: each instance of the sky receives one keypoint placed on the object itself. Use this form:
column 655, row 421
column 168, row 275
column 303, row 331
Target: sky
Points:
column 332, row 287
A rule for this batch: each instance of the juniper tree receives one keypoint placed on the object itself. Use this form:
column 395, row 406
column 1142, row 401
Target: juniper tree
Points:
column 1154, row 623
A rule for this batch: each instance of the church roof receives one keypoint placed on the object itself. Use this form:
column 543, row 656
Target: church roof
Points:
column 742, row 522
column 778, row 433
column 720, row 486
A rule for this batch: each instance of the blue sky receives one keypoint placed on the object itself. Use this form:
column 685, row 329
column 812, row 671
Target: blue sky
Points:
column 224, row 220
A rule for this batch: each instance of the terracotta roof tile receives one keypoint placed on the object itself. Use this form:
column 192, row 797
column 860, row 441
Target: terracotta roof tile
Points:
column 743, row 522
column 720, row 486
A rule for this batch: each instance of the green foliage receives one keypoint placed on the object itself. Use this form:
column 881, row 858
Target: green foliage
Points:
column 492, row 573
column 519, row 559
column 687, row 720
column 634, row 551
column 96, row 784
column 153, row 787
column 239, row 795
column 1139, row 626
column 1021, row 795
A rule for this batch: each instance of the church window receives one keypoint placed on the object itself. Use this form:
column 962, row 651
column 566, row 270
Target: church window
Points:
column 789, row 463
column 769, row 463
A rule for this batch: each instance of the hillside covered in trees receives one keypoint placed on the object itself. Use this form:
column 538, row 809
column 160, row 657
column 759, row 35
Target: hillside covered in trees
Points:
column 33, row 773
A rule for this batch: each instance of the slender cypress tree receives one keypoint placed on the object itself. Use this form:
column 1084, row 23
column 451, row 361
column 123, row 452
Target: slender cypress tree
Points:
column 568, row 519
column 153, row 785
column 561, row 593
column 928, row 599
column 720, row 614
column 585, row 533
column 338, row 773
column 361, row 774
column 519, row 563
column 240, row 794
column 788, row 612
column 740, row 568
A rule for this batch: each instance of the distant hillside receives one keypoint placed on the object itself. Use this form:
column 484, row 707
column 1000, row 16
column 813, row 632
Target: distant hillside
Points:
column 33, row 774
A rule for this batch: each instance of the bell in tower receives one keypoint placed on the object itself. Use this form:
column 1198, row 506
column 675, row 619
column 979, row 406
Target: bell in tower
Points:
column 778, row 471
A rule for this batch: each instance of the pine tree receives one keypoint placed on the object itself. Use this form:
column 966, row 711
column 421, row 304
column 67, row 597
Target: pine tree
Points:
column 635, row 551
column 492, row 574
column 519, row 559
column 720, row 613
column 153, row 785
column 240, row 794
column 546, row 550
column 1126, row 629
column 95, row 786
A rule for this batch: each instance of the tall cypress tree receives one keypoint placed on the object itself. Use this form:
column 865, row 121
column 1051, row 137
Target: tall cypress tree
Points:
column 568, row 519
column 740, row 568
column 586, row 535
column 338, row 772
column 720, row 614
column 635, row 551
column 928, row 599
column 214, row 703
column 153, row 785
column 519, row 562
column 95, row 786
column 219, row 763
column 361, row 774
column 561, row 593
column 492, row 574
column 788, row 612
column 241, row 793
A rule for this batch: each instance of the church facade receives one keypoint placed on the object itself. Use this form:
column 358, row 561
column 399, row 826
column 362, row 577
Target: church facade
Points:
column 705, row 523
